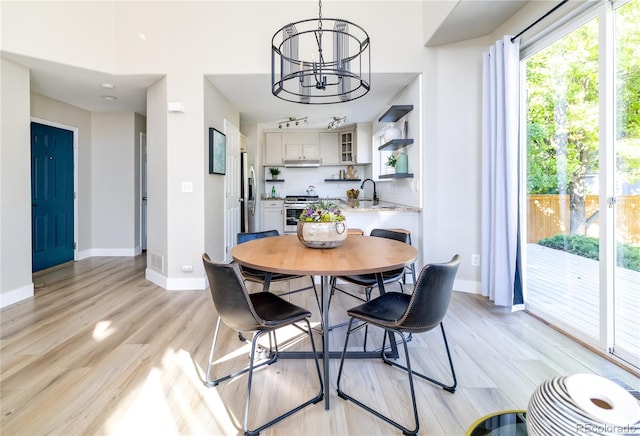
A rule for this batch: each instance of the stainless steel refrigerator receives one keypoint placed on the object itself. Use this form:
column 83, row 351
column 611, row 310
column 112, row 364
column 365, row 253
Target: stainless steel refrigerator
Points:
column 247, row 194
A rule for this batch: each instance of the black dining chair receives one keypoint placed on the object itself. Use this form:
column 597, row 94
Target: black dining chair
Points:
column 260, row 312
column 398, row 313
column 262, row 277
column 369, row 281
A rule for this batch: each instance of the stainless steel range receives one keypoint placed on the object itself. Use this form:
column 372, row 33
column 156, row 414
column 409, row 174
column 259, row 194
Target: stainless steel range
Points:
column 293, row 207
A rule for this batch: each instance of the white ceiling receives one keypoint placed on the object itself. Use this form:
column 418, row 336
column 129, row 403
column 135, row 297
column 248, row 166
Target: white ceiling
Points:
column 473, row 19
column 251, row 94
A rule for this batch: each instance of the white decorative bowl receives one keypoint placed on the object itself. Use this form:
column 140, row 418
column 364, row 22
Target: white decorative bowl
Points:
column 322, row 235
column 581, row 404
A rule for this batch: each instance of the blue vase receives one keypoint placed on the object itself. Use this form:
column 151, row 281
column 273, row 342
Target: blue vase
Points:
column 402, row 164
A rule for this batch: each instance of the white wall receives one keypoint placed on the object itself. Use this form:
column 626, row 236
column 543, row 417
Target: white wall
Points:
column 216, row 109
column 139, row 126
column 157, row 247
column 15, row 185
column 114, row 184
column 190, row 40
column 453, row 159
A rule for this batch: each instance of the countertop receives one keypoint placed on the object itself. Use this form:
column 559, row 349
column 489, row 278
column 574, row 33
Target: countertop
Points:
column 366, row 205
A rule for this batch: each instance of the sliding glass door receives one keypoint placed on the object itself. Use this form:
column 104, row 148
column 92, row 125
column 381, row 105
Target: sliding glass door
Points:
column 563, row 180
column 627, row 184
column 582, row 262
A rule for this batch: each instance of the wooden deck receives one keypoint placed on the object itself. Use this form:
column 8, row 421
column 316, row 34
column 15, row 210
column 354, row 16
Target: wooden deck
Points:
column 566, row 287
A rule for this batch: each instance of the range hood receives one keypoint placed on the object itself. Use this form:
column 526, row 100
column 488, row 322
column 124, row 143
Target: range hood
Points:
column 302, row 163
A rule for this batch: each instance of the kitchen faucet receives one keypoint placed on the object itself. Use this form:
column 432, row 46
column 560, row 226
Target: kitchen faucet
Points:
column 375, row 193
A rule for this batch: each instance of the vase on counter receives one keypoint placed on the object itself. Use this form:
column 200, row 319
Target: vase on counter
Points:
column 322, row 234
column 402, row 163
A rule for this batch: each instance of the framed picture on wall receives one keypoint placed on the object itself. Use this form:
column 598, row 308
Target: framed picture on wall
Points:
column 217, row 151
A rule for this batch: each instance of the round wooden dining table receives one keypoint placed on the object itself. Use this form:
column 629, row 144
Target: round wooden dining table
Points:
column 358, row 255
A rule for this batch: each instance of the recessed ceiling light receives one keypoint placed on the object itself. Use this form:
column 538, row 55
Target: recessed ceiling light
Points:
column 106, row 85
column 109, row 97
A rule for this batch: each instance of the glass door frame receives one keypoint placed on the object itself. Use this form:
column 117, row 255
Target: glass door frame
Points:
column 605, row 13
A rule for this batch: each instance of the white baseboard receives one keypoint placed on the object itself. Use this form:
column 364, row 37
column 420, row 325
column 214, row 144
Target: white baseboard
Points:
column 108, row 252
column 468, row 286
column 156, row 278
column 192, row 284
column 173, row 284
column 16, row 295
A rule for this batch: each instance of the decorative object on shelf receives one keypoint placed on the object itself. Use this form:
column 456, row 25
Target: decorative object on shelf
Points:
column 274, row 171
column 392, row 132
column 292, row 121
column 322, row 225
column 392, row 160
column 327, row 77
column 351, row 173
column 402, row 163
column 336, row 122
column 566, row 404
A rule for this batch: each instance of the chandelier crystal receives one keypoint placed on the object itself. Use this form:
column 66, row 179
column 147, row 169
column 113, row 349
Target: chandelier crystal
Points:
column 333, row 73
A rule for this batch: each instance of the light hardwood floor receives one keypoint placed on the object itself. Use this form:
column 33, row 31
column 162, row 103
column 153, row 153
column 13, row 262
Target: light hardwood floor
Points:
column 100, row 350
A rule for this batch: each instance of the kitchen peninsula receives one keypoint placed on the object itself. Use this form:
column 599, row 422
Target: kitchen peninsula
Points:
column 363, row 214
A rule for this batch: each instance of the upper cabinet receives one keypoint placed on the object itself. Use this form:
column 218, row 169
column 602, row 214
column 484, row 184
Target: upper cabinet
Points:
column 363, row 143
column 329, row 148
column 349, row 146
column 273, row 148
column 301, row 152
column 347, row 149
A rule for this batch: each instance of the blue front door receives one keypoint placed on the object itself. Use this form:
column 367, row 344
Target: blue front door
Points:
column 51, row 196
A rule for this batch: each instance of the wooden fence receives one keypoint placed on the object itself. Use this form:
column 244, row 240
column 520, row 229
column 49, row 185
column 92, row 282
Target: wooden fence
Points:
column 548, row 215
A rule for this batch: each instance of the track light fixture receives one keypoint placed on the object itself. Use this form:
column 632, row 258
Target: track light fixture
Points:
column 292, row 121
column 333, row 73
column 336, row 122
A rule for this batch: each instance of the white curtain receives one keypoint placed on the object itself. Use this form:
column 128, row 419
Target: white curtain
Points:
column 500, row 115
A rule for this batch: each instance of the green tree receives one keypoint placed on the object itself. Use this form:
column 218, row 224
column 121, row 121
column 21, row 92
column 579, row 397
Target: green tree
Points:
column 563, row 112
column 562, row 119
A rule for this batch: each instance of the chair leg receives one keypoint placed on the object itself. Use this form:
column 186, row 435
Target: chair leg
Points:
column 347, row 397
column 449, row 388
column 211, row 382
column 319, row 396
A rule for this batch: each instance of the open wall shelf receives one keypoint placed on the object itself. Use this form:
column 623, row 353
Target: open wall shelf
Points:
column 397, row 176
column 394, row 113
column 342, row 180
column 395, row 144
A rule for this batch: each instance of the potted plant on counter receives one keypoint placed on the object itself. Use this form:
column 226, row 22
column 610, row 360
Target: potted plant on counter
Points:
column 274, row 173
column 322, row 225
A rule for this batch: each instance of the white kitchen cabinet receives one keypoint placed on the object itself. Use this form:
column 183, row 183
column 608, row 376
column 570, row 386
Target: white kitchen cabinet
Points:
column 273, row 215
column 301, row 151
column 273, row 149
column 363, row 143
column 329, row 148
column 347, row 149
